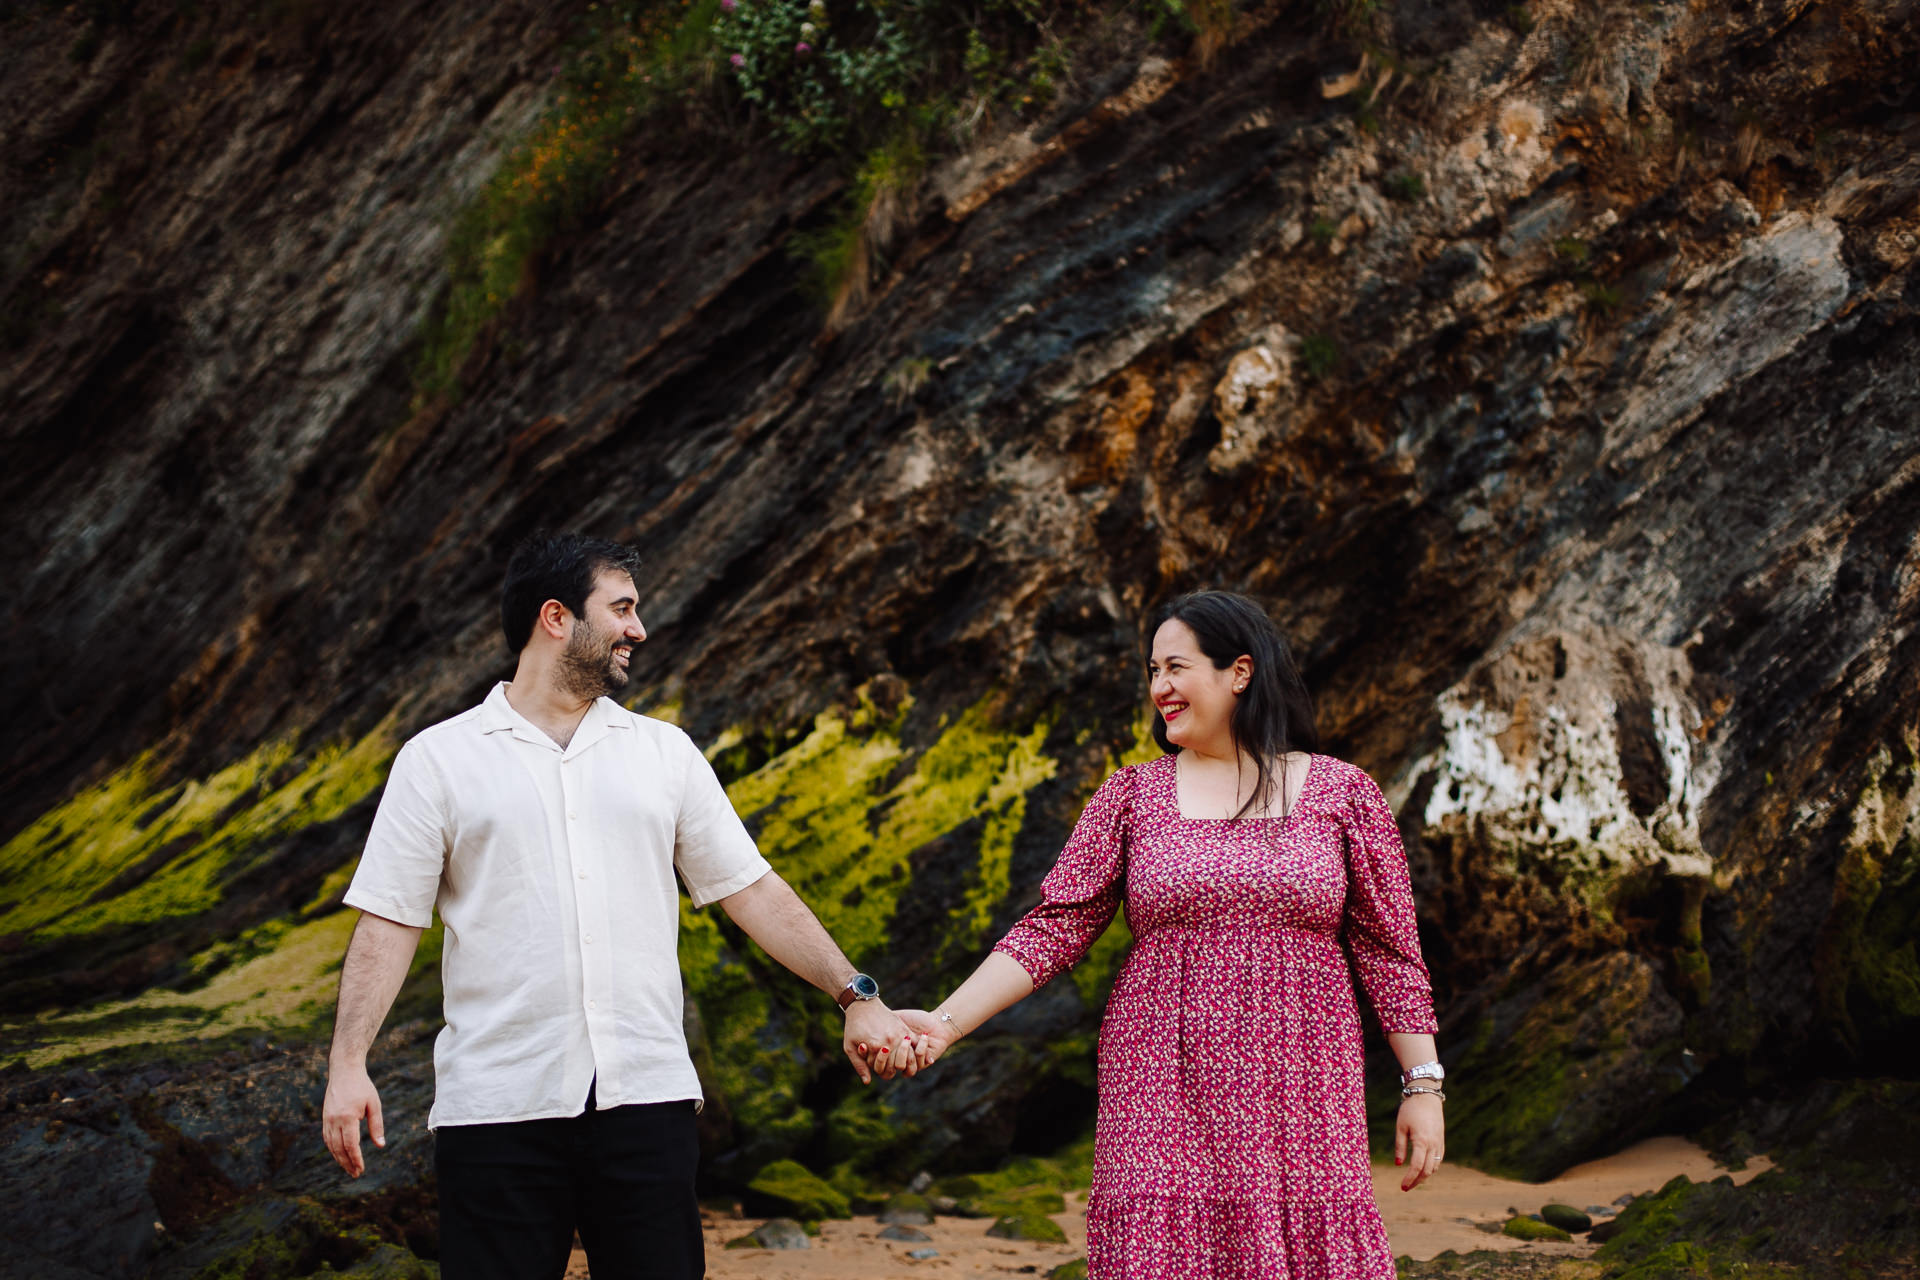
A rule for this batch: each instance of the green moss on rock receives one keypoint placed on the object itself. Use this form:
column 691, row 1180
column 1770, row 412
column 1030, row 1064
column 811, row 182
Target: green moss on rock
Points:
column 1679, row 1261
column 790, row 1189
column 131, row 850
column 1550, row 1076
column 1530, row 1229
column 1075, row 1270
column 838, row 812
column 1030, row 1225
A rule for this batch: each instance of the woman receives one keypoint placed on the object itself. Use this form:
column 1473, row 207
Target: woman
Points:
column 1231, row 1139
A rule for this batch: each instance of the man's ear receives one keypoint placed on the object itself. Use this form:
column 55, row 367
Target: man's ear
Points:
column 553, row 619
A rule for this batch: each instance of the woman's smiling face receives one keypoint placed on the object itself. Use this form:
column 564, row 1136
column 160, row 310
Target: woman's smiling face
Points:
column 1195, row 698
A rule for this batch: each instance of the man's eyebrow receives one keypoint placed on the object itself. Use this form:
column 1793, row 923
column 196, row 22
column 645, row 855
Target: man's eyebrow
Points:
column 615, row 604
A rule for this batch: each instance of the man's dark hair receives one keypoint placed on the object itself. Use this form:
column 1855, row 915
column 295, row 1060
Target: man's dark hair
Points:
column 555, row 566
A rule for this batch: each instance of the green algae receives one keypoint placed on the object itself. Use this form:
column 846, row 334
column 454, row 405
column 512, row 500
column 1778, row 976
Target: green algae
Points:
column 1004, row 812
column 789, row 1188
column 133, row 851
column 838, row 812
column 288, row 986
column 1537, row 1073
column 1023, row 1184
column 277, row 1238
column 1866, row 967
column 1027, row 1226
column 1529, row 1229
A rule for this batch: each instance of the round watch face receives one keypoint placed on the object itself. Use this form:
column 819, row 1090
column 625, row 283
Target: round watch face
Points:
column 863, row 987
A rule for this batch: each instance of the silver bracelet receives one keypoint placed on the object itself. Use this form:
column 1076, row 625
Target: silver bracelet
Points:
column 1407, row 1091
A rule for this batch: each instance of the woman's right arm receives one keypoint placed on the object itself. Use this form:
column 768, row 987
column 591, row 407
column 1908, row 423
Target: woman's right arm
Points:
column 1078, row 900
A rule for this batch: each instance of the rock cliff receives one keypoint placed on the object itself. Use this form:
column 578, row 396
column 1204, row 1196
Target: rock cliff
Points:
column 1550, row 369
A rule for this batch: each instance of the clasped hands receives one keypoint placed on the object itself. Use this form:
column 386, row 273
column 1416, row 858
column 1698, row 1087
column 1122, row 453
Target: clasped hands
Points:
column 890, row 1042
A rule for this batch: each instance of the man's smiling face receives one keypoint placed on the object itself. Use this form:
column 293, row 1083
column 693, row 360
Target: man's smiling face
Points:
column 600, row 651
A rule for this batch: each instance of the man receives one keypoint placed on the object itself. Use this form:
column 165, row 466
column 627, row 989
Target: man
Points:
column 546, row 825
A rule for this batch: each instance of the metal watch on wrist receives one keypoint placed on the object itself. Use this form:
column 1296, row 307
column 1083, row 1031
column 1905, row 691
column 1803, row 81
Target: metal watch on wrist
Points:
column 1424, row 1071
column 859, row 987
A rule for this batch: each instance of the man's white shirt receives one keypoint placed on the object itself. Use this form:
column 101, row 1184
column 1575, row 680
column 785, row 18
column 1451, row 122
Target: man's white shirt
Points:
column 553, row 872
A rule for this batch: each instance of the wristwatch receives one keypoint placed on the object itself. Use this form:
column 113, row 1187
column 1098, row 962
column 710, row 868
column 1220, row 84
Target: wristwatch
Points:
column 859, row 987
column 1425, row 1071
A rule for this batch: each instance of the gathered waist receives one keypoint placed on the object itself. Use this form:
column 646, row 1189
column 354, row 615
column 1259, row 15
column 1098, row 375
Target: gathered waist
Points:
column 1276, row 946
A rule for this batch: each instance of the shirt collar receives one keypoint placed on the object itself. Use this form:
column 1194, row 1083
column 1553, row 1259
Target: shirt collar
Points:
column 497, row 714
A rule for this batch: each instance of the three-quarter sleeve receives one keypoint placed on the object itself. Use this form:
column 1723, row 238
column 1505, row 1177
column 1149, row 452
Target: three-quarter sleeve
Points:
column 1379, row 925
column 1080, row 895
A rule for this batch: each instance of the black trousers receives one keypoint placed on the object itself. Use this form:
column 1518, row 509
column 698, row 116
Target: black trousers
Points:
column 512, row 1195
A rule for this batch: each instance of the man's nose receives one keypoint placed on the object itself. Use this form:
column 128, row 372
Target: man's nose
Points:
column 637, row 630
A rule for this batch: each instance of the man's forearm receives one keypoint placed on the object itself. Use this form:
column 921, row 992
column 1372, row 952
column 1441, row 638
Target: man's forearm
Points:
column 370, row 977
column 773, row 915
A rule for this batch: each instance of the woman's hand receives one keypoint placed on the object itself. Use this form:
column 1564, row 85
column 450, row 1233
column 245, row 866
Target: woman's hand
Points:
column 932, row 1037
column 1419, row 1136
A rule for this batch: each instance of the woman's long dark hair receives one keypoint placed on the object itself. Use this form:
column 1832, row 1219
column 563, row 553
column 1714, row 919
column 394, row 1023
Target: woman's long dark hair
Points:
column 1274, row 714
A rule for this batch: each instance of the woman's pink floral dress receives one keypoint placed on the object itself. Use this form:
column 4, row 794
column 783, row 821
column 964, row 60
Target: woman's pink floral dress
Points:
column 1232, row 1137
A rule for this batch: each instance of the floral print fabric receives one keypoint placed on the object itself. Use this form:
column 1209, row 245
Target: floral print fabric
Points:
column 1231, row 1141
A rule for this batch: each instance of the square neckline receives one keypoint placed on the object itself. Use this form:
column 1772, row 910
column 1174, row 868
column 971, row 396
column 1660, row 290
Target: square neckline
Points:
column 1173, row 792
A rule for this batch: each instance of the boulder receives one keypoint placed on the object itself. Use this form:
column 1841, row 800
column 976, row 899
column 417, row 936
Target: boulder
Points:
column 1027, row 1226
column 775, row 1233
column 789, row 1189
column 1566, row 1217
column 907, row 1209
column 1532, row 1229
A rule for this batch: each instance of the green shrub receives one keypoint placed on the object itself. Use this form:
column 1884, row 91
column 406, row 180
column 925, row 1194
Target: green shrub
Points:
column 1406, row 185
column 1319, row 354
column 1601, row 297
column 617, row 73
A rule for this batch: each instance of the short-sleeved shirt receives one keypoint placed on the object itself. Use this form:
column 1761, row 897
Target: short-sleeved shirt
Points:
column 553, row 871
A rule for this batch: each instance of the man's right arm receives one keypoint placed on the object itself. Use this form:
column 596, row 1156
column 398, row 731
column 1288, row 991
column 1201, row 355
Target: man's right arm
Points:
column 376, row 965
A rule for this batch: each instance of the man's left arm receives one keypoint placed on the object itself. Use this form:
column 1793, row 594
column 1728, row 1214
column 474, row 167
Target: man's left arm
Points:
column 773, row 915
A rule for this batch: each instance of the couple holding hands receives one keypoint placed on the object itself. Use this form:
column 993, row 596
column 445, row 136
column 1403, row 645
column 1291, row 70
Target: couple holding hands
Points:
column 547, row 824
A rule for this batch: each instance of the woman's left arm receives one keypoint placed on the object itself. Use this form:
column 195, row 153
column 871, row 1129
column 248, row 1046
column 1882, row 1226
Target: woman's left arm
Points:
column 1420, row 1133
column 1385, row 938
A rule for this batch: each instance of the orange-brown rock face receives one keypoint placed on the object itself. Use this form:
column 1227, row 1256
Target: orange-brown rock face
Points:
column 1557, row 389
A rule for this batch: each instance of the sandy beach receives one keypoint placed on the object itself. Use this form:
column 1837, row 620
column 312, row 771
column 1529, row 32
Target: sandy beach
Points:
column 1450, row 1212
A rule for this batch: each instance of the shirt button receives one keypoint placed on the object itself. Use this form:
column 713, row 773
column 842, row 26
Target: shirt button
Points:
column 592, row 1005
column 581, row 874
column 570, row 815
column 588, row 938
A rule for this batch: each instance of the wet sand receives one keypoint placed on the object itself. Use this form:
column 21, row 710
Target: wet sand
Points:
column 1450, row 1212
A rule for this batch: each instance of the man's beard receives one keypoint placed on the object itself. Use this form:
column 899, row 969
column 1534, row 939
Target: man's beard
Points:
column 587, row 668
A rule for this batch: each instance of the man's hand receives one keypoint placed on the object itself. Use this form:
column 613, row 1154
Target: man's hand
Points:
column 1421, row 1131
column 873, row 1029
column 351, row 1095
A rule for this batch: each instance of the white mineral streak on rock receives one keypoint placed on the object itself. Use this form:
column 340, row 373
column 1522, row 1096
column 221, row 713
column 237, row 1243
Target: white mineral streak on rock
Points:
column 916, row 469
column 1249, row 399
column 1531, row 756
column 1251, row 382
column 1730, row 322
